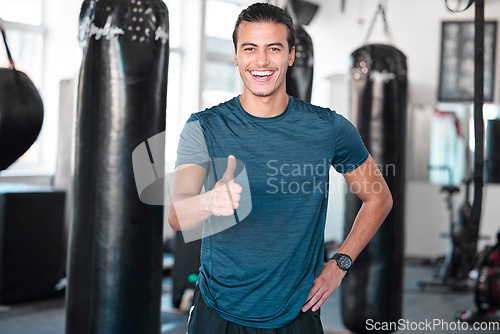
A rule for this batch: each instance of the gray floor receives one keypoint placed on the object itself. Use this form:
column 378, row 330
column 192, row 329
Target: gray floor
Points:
column 420, row 306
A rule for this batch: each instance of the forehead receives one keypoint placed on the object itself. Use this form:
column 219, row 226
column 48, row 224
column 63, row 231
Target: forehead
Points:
column 262, row 33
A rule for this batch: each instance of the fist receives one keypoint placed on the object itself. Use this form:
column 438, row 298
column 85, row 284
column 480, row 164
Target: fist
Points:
column 225, row 196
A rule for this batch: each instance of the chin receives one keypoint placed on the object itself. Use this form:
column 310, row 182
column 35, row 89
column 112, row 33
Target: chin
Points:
column 262, row 93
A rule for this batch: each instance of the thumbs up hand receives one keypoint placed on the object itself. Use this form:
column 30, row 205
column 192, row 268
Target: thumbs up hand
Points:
column 225, row 196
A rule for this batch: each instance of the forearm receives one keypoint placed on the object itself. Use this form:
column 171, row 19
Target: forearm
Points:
column 188, row 208
column 188, row 211
column 368, row 220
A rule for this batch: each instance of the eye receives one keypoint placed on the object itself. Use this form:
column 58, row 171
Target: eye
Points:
column 248, row 49
column 274, row 49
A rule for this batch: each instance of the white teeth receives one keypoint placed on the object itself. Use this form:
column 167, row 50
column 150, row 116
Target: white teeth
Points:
column 261, row 73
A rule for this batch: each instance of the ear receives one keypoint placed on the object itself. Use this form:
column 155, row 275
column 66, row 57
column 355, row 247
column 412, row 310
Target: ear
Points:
column 235, row 58
column 291, row 57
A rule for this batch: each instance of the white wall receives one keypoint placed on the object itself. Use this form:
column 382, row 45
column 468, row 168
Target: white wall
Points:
column 416, row 30
column 426, row 218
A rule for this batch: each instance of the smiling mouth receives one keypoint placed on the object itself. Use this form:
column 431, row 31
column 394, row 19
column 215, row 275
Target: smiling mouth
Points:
column 262, row 75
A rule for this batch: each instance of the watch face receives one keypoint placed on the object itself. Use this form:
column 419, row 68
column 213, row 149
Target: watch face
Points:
column 344, row 262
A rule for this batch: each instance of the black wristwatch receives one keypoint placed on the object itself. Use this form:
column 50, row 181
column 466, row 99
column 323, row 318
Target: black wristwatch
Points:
column 344, row 261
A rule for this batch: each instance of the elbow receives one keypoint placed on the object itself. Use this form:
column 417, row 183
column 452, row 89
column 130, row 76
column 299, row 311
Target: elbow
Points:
column 173, row 221
column 388, row 202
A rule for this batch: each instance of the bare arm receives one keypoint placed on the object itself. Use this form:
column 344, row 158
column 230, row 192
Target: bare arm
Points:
column 369, row 185
column 190, row 205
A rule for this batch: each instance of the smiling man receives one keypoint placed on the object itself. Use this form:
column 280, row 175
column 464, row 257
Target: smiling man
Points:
column 266, row 273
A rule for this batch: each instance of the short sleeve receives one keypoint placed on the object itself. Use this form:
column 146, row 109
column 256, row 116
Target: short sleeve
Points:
column 350, row 151
column 192, row 147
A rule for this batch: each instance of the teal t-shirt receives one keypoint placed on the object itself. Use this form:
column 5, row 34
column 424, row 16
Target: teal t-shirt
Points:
column 259, row 271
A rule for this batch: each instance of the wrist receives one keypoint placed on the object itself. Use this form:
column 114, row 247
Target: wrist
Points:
column 343, row 261
column 207, row 202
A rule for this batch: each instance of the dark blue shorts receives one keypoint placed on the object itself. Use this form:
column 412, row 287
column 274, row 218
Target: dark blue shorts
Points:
column 204, row 320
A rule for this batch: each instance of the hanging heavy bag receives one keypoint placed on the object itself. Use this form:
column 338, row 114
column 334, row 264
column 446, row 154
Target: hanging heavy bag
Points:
column 115, row 251
column 373, row 290
column 21, row 112
column 299, row 77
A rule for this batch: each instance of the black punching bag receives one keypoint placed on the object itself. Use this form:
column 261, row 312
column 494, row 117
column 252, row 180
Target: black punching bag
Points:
column 373, row 289
column 115, row 250
column 299, row 77
column 492, row 154
column 21, row 112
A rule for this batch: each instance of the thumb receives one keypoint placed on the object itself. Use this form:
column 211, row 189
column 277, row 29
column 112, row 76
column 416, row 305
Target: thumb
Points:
column 231, row 167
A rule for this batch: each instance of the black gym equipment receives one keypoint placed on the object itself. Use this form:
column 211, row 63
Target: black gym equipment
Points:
column 186, row 266
column 488, row 274
column 486, row 285
column 304, row 11
column 32, row 242
column 454, row 270
column 374, row 287
column 299, row 77
column 21, row 110
column 478, row 120
column 492, row 153
column 461, row 257
column 115, row 247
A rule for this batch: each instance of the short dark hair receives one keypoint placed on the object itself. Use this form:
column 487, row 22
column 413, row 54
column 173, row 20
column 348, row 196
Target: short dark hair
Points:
column 265, row 12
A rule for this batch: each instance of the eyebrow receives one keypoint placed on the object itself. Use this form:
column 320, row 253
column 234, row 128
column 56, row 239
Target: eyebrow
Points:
column 267, row 45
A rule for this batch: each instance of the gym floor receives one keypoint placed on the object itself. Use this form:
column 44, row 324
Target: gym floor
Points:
column 428, row 305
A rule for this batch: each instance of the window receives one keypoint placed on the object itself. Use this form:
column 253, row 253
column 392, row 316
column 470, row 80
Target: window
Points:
column 448, row 145
column 22, row 11
column 174, row 16
column 490, row 111
column 220, row 76
column 174, row 86
column 201, row 69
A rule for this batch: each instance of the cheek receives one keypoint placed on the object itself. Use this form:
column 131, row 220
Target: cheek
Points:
column 242, row 71
column 285, row 61
column 286, row 66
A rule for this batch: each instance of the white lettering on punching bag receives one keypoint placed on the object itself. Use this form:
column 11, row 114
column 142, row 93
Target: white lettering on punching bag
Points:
column 160, row 33
column 107, row 31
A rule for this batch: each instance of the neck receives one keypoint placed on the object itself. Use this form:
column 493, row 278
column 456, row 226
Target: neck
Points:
column 267, row 106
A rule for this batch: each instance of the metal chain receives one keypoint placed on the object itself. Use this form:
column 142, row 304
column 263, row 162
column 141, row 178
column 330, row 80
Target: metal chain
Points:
column 380, row 10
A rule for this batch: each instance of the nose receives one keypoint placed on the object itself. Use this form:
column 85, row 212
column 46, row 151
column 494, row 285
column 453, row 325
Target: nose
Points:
column 262, row 58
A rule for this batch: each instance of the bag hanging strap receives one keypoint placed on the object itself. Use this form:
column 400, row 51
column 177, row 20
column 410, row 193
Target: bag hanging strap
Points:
column 380, row 10
column 11, row 61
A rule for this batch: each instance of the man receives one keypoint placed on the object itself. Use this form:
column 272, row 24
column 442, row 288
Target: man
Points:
column 266, row 273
